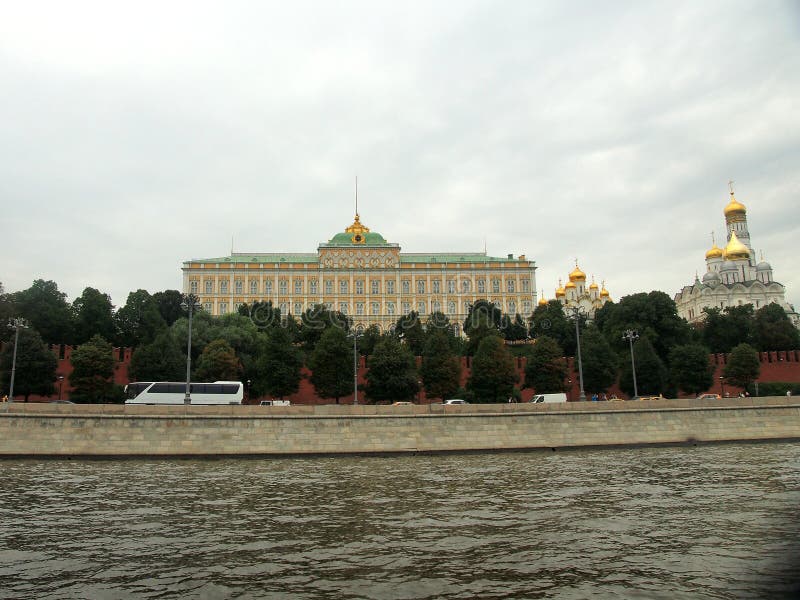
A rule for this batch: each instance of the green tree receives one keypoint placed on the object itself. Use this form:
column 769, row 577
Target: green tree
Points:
column 484, row 319
column 92, row 372
column 218, row 362
column 599, row 361
column 46, row 309
column 721, row 330
column 493, row 374
column 653, row 315
column 549, row 320
column 651, row 374
column 169, row 305
column 94, row 315
column 331, row 364
column 139, row 321
column 7, row 312
column 690, row 369
column 515, row 330
column 392, row 373
column 263, row 314
column 743, row 366
column 441, row 368
column 35, row 366
column 546, row 369
column 159, row 360
column 772, row 329
column 277, row 371
column 315, row 321
column 368, row 340
column 409, row 329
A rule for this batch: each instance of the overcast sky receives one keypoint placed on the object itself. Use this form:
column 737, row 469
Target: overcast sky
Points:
column 137, row 135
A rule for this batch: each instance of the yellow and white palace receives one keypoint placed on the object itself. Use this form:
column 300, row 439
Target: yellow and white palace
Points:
column 359, row 273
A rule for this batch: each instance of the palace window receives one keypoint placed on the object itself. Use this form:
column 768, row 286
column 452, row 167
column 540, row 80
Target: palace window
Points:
column 298, row 286
column 435, row 284
column 283, row 286
column 420, row 287
column 298, row 308
column 375, row 307
column 512, row 308
column 343, row 287
column 359, row 308
column 223, row 287
column 526, row 307
column 359, row 286
column 313, row 286
column 451, row 308
column 390, row 308
column 237, row 285
column 390, row 286
column 223, row 308
column 236, row 306
column 437, row 307
column 268, row 286
column 376, row 288
column 193, row 287
column 465, row 286
column 253, row 287
column 526, row 285
column 343, row 307
column 207, row 307
column 329, row 306
column 451, row 286
column 481, row 286
column 510, row 285
column 328, row 286
column 284, row 309
column 496, row 285
column 406, row 307
column 420, row 308
column 406, row 286
column 209, row 287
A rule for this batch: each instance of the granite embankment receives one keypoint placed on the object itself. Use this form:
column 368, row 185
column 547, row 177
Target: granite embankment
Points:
column 118, row 430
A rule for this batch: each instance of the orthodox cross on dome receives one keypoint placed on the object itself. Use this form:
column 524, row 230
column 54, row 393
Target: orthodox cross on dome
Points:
column 730, row 185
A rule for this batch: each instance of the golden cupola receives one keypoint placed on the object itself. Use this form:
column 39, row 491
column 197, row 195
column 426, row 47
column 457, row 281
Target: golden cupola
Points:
column 560, row 291
column 735, row 208
column 577, row 274
column 714, row 252
column 570, row 285
column 593, row 285
column 542, row 301
column 736, row 250
column 604, row 292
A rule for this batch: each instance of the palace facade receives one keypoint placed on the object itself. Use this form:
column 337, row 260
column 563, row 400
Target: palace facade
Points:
column 362, row 275
column 733, row 277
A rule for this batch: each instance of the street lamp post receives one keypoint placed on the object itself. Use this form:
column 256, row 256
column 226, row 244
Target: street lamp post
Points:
column 576, row 312
column 14, row 324
column 248, row 390
column 722, row 384
column 355, row 367
column 189, row 303
column 631, row 336
column 60, row 385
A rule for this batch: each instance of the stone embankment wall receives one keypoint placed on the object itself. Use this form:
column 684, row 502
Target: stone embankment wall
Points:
column 118, row 430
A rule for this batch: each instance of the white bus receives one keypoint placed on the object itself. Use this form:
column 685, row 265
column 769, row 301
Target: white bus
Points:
column 173, row 392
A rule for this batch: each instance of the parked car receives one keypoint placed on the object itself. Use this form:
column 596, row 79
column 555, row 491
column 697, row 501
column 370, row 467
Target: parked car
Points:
column 709, row 397
column 456, row 401
column 401, row 403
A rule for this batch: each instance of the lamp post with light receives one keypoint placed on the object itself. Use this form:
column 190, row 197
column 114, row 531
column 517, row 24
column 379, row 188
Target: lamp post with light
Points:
column 632, row 336
column 60, row 385
column 15, row 324
column 190, row 303
column 722, row 384
column 355, row 334
column 576, row 312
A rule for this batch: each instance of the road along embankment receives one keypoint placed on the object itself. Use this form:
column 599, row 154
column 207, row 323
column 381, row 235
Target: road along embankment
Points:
column 118, row 430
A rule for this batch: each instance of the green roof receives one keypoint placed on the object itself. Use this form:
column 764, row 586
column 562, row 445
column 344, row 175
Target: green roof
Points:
column 271, row 257
column 346, row 239
column 452, row 257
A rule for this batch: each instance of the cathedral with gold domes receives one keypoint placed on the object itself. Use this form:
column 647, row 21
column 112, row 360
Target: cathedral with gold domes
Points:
column 733, row 277
column 577, row 294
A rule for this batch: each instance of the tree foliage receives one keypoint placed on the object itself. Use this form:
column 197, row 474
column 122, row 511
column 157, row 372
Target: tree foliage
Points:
column 277, row 369
column 546, row 369
column 94, row 315
column 651, row 375
column 392, row 373
column 690, row 369
column 772, row 329
column 218, row 362
column 484, row 320
column 139, row 321
column 169, row 305
column 493, row 374
column 599, row 361
column 743, row 366
column 35, row 367
column 723, row 329
column 410, row 331
column 441, row 368
column 315, row 321
column 331, row 364
column 92, row 371
column 549, row 320
column 46, row 309
column 159, row 360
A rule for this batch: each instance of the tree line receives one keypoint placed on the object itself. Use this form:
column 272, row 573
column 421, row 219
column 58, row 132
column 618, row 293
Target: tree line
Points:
column 259, row 345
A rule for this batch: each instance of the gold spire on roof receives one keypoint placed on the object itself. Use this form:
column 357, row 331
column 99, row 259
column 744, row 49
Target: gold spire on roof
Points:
column 542, row 299
column 577, row 274
column 715, row 251
column 593, row 285
column 560, row 291
column 604, row 292
column 734, row 207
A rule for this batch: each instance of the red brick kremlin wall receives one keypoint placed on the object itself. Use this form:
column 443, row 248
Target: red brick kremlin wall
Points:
column 775, row 366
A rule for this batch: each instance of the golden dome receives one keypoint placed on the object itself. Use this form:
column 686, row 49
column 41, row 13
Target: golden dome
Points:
column 577, row 274
column 735, row 207
column 736, row 250
column 560, row 291
column 604, row 292
column 593, row 285
column 714, row 252
column 570, row 285
column 542, row 301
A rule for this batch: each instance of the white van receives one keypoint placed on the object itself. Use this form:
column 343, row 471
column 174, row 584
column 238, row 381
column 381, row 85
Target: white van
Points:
column 276, row 403
column 548, row 398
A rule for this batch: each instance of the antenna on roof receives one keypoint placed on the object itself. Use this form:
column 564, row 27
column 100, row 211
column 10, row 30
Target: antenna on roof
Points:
column 484, row 245
column 356, row 195
column 231, row 245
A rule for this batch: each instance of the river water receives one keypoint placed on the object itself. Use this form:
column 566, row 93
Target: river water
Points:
column 676, row 522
